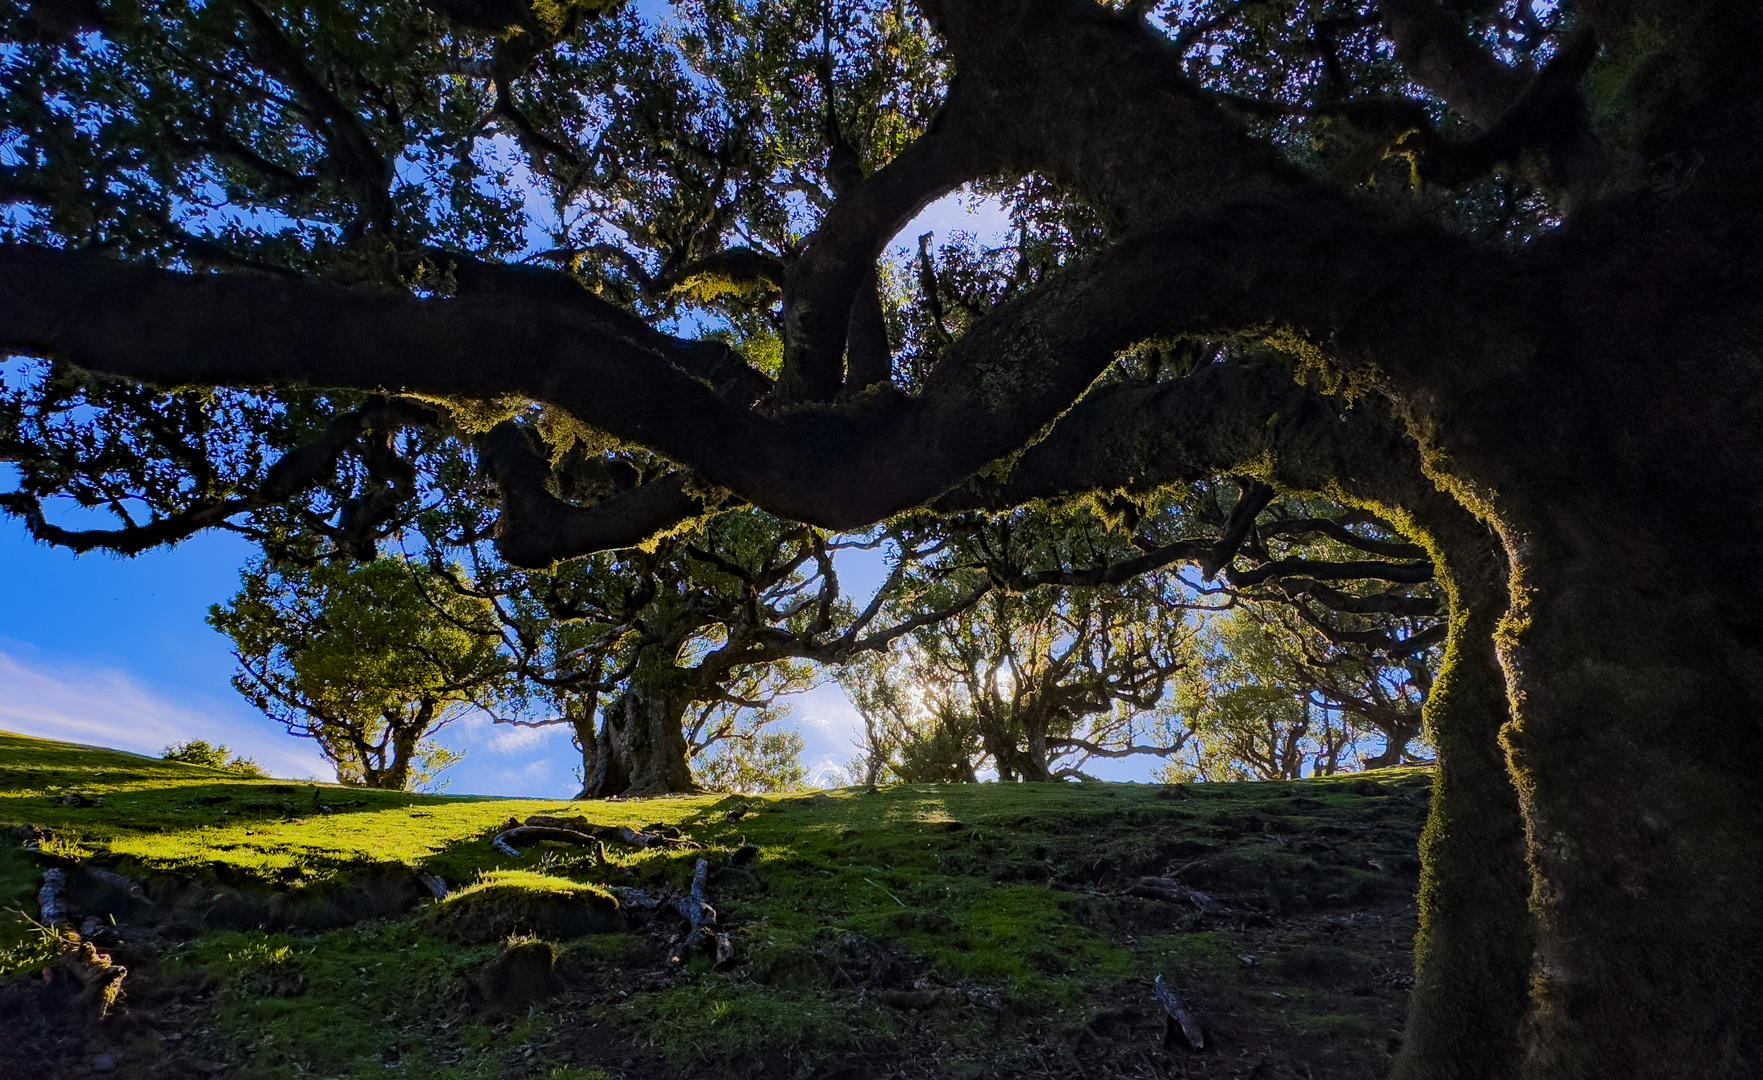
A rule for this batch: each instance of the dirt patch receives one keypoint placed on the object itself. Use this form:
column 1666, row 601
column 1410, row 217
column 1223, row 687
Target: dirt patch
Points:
column 52, row 1034
column 522, row 974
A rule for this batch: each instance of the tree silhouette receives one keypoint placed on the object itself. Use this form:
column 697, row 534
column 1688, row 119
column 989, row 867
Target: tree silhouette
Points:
column 1512, row 248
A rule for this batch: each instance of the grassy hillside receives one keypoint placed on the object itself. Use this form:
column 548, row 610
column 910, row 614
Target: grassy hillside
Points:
column 911, row 931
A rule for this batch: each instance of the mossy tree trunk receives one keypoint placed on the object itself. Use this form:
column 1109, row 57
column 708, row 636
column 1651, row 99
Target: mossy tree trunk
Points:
column 1633, row 661
column 641, row 746
column 1621, row 473
column 1472, row 955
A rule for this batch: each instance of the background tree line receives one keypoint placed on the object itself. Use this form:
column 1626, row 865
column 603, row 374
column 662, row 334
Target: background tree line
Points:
column 1021, row 645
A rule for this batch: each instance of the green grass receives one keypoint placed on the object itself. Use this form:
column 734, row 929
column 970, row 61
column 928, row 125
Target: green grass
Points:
column 1010, row 893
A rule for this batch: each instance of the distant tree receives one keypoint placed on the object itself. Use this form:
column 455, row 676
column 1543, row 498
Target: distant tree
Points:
column 1249, row 723
column 656, row 655
column 1057, row 677
column 906, row 737
column 364, row 661
column 1033, row 679
column 753, row 759
column 202, row 752
column 1330, row 632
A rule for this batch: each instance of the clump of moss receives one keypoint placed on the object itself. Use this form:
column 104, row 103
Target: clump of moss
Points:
column 510, row 902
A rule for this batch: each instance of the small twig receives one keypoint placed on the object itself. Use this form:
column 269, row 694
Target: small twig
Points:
column 890, row 895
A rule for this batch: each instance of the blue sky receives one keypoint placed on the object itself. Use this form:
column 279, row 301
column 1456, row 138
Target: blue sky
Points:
column 112, row 651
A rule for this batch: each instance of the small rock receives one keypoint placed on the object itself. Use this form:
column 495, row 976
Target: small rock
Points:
column 104, row 1063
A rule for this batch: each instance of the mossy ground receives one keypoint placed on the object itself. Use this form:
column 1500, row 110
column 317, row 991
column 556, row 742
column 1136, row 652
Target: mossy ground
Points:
column 917, row 930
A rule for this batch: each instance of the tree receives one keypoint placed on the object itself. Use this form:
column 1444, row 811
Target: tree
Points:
column 359, row 659
column 1038, row 681
column 1522, row 241
column 1260, row 708
column 751, row 760
column 210, row 756
column 1305, row 665
column 656, row 656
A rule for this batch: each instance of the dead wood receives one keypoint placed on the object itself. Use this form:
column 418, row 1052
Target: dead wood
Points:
column 117, row 881
column 695, row 907
column 637, row 898
column 1179, row 1017
column 99, row 977
column 581, row 832
column 50, row 902
column 1174, row 892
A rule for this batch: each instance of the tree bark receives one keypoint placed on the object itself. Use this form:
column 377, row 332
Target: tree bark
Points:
column 1620, row 472
column 1635, row 748
column 1472, row 955
column 641, row 747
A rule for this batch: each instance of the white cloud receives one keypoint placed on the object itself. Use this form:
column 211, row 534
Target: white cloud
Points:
column 523, row 778
column 829, row 771
column 832, row 732
column 479, row 731
column 826, row 710
column 108, row 707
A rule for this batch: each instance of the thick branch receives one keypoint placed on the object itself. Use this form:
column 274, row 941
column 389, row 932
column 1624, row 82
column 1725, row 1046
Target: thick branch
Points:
column 1370, row 291
column 741, row 265
column 537, row 528
column 1336, row 531
column 1379, row 604
column 1355, row 570
column 1438, row 51
column 825, row 281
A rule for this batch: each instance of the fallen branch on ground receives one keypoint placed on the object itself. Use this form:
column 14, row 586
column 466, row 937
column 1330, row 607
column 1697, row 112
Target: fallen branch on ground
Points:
column 579, row 832
column 1177, row 1017
column 50, row 902
column 695, row 906
column 99, row 977
column 433, row 883
column 117, row 881
column 1174, row 892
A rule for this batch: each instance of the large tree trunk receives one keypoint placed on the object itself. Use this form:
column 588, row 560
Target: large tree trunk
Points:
column 1636, row 748
column 641, row 747
column 1472, row 955
column 402, row 740
column 1623, row 476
